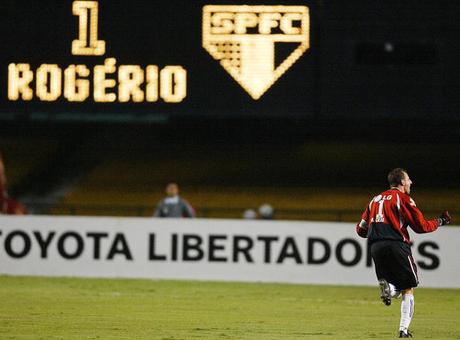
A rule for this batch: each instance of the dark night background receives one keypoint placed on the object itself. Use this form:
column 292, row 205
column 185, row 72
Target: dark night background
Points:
column 378, row 88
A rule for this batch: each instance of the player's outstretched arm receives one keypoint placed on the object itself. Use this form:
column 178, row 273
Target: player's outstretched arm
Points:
column 417, row 221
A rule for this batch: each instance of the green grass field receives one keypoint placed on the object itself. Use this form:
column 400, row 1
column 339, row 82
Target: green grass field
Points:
column 68, row 308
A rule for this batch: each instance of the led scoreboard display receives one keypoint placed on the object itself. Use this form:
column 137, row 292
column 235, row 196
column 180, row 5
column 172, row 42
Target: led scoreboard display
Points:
column 86, row 59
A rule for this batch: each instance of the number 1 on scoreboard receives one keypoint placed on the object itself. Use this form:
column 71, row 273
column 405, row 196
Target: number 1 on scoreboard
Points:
column 87, row 42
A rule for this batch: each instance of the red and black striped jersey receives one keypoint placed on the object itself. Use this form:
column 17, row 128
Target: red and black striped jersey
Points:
column 388, row 216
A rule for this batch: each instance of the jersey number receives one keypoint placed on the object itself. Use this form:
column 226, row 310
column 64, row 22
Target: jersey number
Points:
column 380, row 217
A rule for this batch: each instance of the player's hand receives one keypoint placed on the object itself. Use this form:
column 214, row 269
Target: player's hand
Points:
column 362, row 232
column 444, row 219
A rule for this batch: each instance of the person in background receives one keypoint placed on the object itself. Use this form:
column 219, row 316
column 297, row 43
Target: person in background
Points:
column 173, row 205
column 250, row 214
column 266, row 211
column 8, row 205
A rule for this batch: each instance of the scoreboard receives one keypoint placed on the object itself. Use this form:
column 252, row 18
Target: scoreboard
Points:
column 143, row 60
column 147, row 60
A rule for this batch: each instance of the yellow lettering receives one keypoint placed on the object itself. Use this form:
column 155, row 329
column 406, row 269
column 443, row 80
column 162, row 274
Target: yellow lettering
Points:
column 151, row 90
column 169, row 83
column 19, row 78
column 75, row 89
column 243, row 21
column 222, row 23
column 87, row 44
column 101, row 83
column 268, row 21
column 49, row 82
column 173, row 80
column 130, row 77
column 286, row 23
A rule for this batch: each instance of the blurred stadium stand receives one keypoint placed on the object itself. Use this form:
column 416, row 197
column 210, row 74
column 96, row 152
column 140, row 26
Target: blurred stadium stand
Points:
column 223, row 169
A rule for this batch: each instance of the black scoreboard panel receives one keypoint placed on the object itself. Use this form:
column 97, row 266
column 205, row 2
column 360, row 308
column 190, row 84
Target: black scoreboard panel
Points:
column 109, row 59
column 391, row 60
column 147, row 60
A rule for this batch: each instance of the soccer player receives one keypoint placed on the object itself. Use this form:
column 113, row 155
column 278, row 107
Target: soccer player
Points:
column 384, row 223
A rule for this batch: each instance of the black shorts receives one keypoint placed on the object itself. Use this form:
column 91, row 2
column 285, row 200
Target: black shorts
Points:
column 394, row 262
